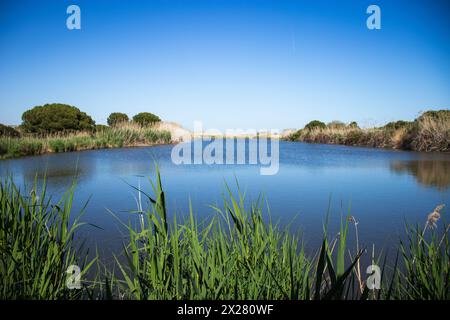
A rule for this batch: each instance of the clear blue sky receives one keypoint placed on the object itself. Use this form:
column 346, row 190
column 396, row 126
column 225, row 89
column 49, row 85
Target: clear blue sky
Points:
column 231, row 64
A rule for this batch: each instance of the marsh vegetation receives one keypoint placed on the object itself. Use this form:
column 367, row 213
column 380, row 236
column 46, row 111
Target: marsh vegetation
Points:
column 430, row 132
column 64, row 128
column 123, row 135
column 239, row 254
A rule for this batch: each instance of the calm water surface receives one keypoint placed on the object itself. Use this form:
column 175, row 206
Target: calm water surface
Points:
column 381, row 188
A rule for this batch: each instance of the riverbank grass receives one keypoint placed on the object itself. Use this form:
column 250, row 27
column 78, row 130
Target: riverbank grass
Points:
column 429, row 133
column 37, row 244
column 124, row 135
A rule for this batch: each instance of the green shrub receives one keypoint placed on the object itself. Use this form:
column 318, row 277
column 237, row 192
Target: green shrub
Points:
column 117, row 118
column 56, row 117
column 146, row 118
column 395, row 125
column 315, row 124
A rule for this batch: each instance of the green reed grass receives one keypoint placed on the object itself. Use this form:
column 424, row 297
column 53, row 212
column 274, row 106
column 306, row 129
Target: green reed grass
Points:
column 37, row 244
column 126, row 135
column 237, row 254
column 426, row 273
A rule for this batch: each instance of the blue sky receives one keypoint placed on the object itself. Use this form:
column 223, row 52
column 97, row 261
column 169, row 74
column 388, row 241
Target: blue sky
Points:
column 231, row 64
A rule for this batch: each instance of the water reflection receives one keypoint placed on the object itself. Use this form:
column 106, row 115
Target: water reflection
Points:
column 430, row 173
column 376, row 183
column 59, row 170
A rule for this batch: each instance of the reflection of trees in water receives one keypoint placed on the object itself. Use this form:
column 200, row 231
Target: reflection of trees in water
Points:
column 59, row 172
column 434, row 173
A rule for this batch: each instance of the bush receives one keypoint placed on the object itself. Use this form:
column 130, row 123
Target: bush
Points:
column 56, row 117
column 353, row 125
column 336, row 124
column 315, row 124
column 295, row 136
column 146, row 118
column 395, row 125
column 116, row 118
column 6, row 131
column 435, row 115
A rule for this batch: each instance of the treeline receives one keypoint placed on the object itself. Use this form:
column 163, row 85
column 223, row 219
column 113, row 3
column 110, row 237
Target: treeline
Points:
column 62, row 128
column 57, row 118
column 429, row 132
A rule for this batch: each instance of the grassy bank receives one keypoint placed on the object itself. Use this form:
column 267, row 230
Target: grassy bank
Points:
column 429, row 132
column 236, row 255
column 125, row 135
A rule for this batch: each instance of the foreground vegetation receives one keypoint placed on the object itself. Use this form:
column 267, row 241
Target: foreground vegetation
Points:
column 236, row 255
column 429, row 132
column 123, row 135
column 37, row 244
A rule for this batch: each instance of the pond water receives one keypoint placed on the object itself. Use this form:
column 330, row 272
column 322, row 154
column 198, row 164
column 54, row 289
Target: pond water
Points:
column 381, row 188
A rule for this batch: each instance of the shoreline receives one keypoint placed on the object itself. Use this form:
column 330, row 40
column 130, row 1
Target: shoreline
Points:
column 430, row 132
column 369, row 147
column 91, row 149
column 111, row 137
column 143, row 145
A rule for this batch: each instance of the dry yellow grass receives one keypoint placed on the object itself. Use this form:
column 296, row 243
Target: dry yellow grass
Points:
column 433, row 133
column 429, row 132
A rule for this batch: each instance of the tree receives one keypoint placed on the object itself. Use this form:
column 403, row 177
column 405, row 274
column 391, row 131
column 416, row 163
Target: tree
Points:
column 315, row 124
column 146, row 118
column 116, row 118
column 56, row 117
